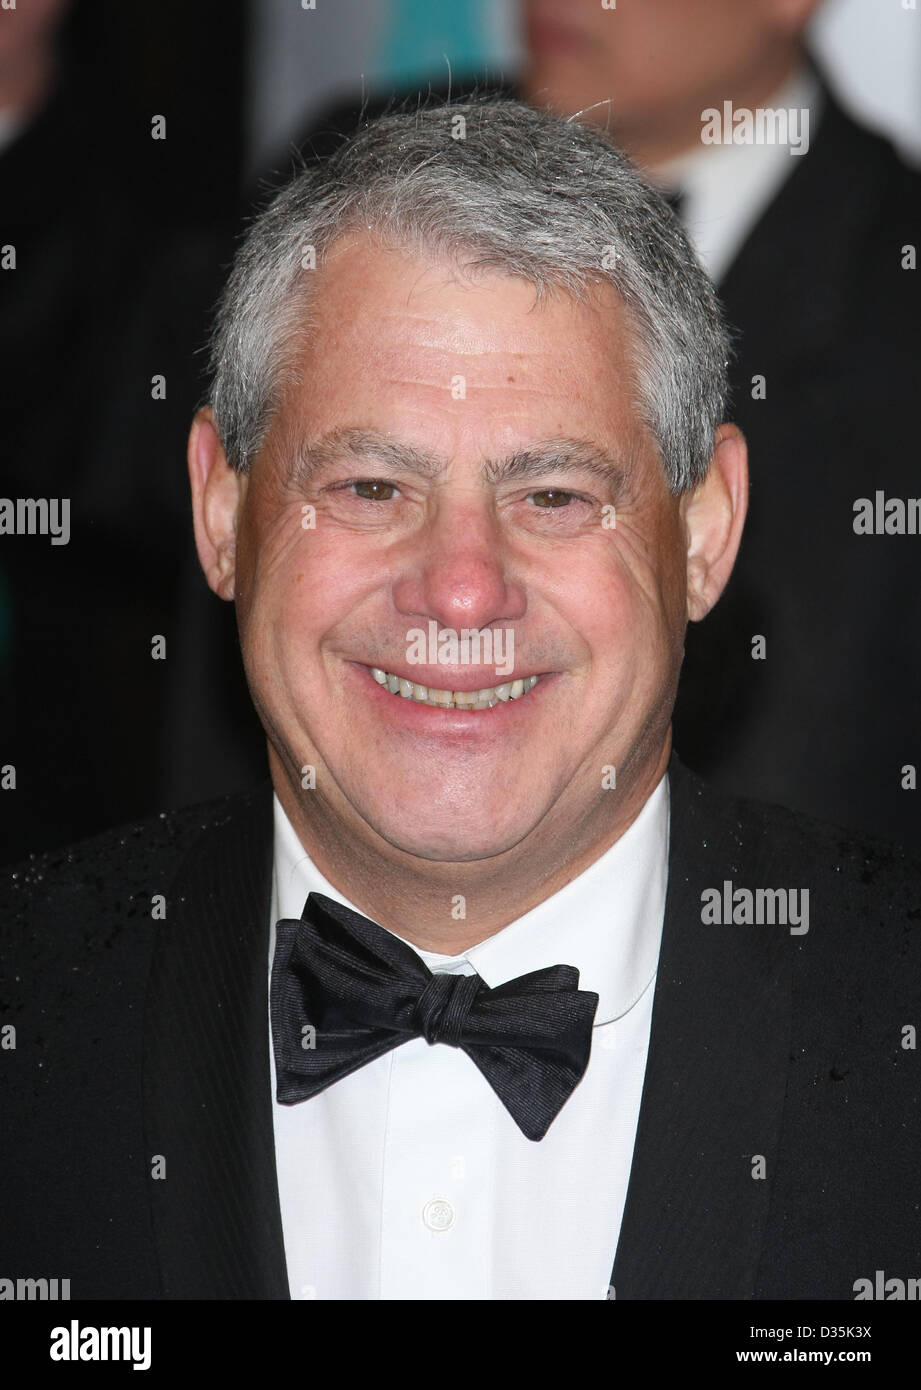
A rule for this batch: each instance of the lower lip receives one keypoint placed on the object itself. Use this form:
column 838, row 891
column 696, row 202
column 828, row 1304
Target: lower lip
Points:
column 412, row 714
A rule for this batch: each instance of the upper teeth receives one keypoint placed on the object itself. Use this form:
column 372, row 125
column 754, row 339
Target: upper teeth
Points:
column 456, row 699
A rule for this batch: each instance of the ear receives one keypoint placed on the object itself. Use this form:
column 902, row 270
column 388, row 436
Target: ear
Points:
column 217, row 496
column 713, row 516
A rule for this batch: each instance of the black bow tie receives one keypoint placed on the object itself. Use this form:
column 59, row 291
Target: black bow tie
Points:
column 345, row 991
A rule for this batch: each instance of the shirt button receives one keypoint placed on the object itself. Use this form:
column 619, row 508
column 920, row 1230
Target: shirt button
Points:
column 438, row 1215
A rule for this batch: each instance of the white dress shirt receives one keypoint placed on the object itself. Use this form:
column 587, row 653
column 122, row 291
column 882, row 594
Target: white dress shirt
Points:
column 727, row 188
column 410, row 1180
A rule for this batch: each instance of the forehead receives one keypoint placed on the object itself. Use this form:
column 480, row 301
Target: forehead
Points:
column 422, row 346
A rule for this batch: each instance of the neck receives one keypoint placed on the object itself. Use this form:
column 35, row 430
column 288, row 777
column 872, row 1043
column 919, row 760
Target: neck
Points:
column 418, row 898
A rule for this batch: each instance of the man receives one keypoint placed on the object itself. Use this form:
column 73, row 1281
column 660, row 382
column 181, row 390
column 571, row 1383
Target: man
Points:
column 807, row 225
column 557, row 1022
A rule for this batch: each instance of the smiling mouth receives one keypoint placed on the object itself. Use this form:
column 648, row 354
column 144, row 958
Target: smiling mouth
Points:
column 486, row 698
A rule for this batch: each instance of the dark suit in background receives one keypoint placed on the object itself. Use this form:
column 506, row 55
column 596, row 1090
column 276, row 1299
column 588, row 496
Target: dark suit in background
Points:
column 823, row 309
column 141, row 1039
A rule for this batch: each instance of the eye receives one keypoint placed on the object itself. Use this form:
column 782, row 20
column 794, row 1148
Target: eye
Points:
column 552, row 497
column 372, row 489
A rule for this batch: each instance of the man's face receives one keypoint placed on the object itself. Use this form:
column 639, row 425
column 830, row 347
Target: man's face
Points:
column 657, row 62
column 416, row 390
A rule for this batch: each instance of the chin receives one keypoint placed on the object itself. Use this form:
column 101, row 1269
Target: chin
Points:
column 450, row 844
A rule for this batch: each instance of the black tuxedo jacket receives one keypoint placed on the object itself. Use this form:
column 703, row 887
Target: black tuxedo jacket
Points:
column 141, row 1047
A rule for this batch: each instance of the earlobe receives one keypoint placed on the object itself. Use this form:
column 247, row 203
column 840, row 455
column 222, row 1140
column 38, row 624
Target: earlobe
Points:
column 217, row 492
column 714, row 515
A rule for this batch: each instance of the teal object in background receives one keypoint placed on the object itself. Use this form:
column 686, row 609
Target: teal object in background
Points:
column 422, row 34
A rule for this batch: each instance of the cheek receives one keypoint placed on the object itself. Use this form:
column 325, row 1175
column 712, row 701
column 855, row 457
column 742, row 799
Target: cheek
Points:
column 299, row 588
column 652, row 553
column 629, row 609
column 272, row 593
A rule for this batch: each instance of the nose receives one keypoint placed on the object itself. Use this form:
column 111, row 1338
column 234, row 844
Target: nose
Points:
column 459, row 572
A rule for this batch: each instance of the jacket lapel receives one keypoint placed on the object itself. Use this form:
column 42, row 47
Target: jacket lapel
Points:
column 713, row 1095
column 207, row 1086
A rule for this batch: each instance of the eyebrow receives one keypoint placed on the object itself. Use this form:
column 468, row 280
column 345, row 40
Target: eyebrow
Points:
column 559, row 456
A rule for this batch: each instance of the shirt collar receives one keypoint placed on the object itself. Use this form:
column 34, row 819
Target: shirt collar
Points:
column 607, row 922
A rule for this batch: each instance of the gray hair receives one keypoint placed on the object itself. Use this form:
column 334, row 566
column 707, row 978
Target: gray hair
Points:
column 504, row 187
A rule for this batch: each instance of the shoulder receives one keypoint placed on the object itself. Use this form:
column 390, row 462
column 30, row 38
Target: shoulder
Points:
column 99, row 893
column 842, row 909
column 838, row 132
column 855, row 875
column 860, row 170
